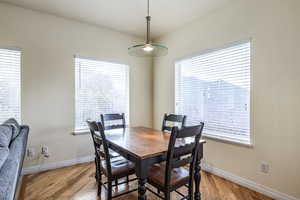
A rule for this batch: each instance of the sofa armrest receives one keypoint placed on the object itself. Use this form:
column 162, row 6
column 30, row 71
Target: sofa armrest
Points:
column 24, row 127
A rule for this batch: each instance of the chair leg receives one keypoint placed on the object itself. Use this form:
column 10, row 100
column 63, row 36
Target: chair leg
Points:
column 116, row 182
column 109, row 190
column 99, row 185
column 127, row 179
column 97, row 170
column 158, row 191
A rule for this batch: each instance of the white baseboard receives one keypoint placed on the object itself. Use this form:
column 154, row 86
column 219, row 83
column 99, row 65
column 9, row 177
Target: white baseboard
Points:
column 50, row 166
column 249, row 184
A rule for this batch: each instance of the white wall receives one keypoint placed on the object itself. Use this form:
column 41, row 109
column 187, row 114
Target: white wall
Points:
column 274, row 26
column 48, row 45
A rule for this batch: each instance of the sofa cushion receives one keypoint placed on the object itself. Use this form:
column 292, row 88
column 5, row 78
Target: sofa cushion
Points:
column 16, row 127
column 4, row 151
column 6, row 132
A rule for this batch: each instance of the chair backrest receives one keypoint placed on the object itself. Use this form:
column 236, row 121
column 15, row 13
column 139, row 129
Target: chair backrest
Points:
column 182, row 149
column 113, row 117
column 93, row 128
column 100, row 144
column 174, row 119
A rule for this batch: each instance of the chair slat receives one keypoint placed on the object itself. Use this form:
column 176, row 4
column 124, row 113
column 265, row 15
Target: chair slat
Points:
column 114, row 126
column 112, row 116
column 173, row 118
column 184, row 133
column 183, row 150
column 181, row 162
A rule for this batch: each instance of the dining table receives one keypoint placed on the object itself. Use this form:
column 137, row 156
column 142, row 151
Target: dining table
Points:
column 146, row 147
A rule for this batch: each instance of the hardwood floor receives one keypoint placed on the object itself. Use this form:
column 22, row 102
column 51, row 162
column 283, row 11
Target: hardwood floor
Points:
column 78, row 183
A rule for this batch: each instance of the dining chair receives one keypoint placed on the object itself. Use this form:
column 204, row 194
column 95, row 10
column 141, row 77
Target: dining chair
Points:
column 113, row 168
column 96, row 145
column 111, row 152
column 179, row 119
column 182, row 152
column 111, row 118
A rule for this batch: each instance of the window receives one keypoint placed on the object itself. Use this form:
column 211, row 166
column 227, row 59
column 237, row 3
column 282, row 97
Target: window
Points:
column 10, row 84
column 101, row 87
column 214, row 87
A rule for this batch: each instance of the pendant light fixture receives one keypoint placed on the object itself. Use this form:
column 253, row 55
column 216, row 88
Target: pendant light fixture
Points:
column 148, row 49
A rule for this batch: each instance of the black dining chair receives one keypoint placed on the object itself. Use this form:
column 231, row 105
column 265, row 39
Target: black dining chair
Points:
column 96, row 145
column 111, row 152
column 109, row 122
column 175, row 119
column 182, row 152
column 112, row 168
column 110, row 118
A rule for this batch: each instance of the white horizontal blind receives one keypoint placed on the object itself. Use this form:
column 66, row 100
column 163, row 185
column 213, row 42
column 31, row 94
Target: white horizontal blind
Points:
column 101, row 87
column 215, row 88
column 10, row 84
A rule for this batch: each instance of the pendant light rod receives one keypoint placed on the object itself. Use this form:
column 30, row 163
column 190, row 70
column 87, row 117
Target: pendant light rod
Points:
column 148, row 18
column 148, row 29
column 148, row 8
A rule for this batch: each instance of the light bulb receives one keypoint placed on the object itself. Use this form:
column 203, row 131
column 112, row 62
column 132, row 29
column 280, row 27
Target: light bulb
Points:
column 148, row 47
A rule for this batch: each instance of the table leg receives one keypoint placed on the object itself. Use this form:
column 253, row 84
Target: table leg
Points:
column 197, row 175
column 142, row 189
column 142, row 173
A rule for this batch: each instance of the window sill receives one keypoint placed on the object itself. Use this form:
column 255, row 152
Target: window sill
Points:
column 229, row 140
column 81, row 132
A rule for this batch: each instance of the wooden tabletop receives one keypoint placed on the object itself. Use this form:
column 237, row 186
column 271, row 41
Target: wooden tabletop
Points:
column 141, row 142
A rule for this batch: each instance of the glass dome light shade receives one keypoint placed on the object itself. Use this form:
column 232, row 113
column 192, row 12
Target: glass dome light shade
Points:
column 148, row 50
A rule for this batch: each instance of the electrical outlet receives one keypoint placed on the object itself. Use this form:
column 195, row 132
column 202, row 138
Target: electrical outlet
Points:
column 45, row 151
column 264, row 167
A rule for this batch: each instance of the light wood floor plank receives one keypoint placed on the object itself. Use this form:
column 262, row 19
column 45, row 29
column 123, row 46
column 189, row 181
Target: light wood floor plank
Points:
column 78, row 183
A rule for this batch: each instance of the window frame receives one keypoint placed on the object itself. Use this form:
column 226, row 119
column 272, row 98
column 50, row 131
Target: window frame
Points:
column 86, row 130
column 14, row 48
column 251, row 142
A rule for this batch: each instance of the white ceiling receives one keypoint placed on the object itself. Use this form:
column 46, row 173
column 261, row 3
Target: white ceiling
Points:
column 127, row 16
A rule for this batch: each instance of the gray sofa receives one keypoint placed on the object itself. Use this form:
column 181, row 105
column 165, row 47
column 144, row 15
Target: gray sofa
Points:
column 13, row 141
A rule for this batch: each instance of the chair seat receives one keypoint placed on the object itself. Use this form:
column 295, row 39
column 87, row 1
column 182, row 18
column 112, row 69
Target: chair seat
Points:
column 119, row 167
column 179, row 176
